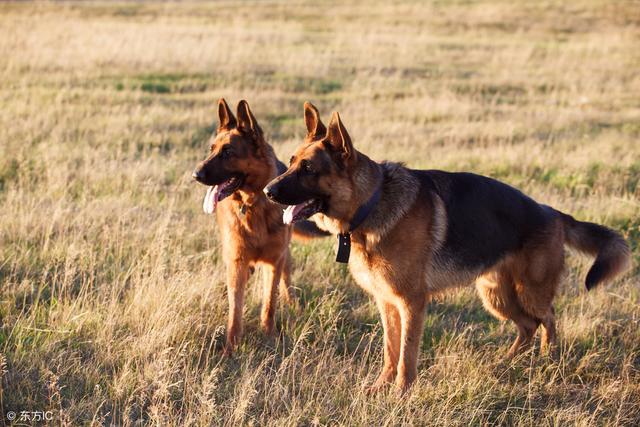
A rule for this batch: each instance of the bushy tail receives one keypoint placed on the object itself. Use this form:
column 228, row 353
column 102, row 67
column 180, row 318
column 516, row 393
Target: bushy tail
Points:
column 305, row 230
column 612, row 252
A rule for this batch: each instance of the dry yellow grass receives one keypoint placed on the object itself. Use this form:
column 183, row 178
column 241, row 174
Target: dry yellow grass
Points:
column 111, row 298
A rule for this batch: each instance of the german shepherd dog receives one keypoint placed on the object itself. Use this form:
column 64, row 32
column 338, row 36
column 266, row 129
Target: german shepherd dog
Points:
column 239, row 165
column 417, row 233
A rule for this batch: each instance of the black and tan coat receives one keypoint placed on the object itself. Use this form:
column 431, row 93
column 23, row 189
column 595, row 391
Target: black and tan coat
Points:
column 432, row 231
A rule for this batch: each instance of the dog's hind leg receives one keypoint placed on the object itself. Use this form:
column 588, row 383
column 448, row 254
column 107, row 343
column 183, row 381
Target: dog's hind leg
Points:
column 499, row 297
column 536, row 296
column 272, row 273
column 537, row 274
column 526, row 331
column 548, row 331
column 237, row 276
column 392, row 333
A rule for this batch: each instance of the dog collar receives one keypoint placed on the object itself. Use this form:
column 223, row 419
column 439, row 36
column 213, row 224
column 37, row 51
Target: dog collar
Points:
column 344, row 239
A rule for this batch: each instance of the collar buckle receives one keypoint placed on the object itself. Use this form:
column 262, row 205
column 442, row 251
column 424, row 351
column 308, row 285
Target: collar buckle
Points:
column 344, row 239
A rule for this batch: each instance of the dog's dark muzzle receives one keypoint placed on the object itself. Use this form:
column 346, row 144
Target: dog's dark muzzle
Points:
column 208, row 173
column 201, row 174
column 272, row 190
column 286, row 190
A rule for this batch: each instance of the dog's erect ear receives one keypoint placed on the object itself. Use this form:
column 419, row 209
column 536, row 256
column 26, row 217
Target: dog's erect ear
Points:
column 315, row 127
column 246, row 120
column 225, row 117
column 339, row 138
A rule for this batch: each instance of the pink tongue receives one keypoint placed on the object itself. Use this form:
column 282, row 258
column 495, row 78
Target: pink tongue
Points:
column 215, row 197
column 212, row 198
column 291, row 211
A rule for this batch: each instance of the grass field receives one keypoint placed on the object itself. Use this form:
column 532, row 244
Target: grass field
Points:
column 112, row 301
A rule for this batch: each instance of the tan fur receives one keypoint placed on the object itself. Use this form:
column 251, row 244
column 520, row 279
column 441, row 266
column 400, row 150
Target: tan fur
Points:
column 395, row 258
column 251, row 229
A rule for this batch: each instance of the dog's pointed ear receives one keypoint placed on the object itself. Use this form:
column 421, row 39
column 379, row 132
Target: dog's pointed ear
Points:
column 226, row 121
column 339, row 138
column 315, row 127
column 246, row 120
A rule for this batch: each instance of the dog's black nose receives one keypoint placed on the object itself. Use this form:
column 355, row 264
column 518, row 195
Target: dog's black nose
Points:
column 198, row 175
column 270, row 192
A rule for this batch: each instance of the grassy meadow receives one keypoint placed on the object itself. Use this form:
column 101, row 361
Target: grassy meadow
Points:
column 112, row 293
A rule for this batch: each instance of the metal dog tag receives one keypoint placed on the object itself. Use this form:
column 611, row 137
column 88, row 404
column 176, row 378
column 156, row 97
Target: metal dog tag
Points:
column 344, row 248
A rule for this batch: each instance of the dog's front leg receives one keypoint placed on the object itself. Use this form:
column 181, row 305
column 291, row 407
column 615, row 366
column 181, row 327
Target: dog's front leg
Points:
column 412, row 321
column 237, row 276
column 286, row 290
column 270, row 296
column 392, row 333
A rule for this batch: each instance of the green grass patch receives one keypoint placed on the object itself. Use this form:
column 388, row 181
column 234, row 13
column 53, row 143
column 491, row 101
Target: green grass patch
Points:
column 167, row 83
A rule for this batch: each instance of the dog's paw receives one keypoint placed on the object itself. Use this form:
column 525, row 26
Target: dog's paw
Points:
column 401, row 390
column 377, row 387
column 403, row 384
column 374, row 389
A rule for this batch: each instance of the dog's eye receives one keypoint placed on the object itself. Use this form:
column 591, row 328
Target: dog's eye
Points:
column 291, row 161
column 307, row 167
column 226, row 153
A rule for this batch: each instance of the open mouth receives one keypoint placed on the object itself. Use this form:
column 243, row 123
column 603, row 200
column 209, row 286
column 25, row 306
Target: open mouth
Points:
column 216, row 193
column 303, row 210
